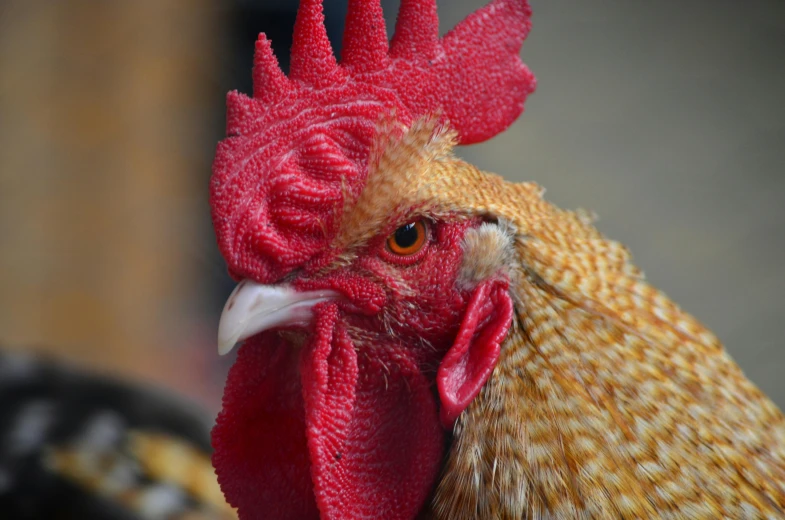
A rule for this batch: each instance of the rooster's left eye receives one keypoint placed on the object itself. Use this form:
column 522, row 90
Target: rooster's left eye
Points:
column 408, row 239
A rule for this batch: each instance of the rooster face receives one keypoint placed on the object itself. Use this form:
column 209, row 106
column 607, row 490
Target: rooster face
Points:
column 403, row 284
column 355, row 367
column 357, row 364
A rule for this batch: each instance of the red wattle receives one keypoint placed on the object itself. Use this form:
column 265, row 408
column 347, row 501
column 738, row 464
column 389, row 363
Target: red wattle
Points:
column 470, row 361
column 334, row 429
column 260, row 456
column 373, row 430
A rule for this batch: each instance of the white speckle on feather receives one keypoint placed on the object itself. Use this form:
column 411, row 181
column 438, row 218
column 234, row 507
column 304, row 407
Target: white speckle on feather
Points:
column 103, row 431
column 30, row 427
column 122, row 476
column 160, row 502
column 16, row 367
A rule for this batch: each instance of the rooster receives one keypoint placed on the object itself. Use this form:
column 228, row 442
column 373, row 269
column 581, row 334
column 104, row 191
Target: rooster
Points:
column 422, row 339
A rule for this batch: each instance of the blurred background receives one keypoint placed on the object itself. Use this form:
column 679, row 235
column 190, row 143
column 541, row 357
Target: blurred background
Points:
column 665, row 118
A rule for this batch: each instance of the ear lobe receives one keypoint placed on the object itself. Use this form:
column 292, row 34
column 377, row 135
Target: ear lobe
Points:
column 471, row 360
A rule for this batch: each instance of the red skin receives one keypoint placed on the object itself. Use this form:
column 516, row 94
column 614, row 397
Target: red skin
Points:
column 348, row 426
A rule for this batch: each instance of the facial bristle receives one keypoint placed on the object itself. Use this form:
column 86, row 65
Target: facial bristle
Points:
column 488, row 250
column 315, row 128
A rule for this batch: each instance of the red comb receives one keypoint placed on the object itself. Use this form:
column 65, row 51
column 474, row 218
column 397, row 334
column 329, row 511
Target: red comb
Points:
column 301, row 142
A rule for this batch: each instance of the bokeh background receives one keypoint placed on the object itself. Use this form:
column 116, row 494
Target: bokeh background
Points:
column 665, row 118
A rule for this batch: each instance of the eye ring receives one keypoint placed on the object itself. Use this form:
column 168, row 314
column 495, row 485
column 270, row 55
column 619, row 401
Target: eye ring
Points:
column 408, row 239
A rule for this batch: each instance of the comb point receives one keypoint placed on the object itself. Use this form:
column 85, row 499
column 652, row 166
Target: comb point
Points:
column 365, row 46
column 312, row 58
column 269, row 81
column 240, row 113
column 416, row 30
column 483, row 72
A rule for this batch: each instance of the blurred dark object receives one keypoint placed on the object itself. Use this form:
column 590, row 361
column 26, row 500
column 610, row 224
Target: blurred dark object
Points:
column 78, row 446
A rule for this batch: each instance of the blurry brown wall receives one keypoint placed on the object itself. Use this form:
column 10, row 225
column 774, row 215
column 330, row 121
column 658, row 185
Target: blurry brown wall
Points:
column 104, row 160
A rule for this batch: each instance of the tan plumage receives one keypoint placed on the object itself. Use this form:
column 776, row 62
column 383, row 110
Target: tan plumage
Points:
column 609, row 401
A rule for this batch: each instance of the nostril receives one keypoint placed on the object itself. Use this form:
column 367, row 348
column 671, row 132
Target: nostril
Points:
column 290, row 277
column 364, row 295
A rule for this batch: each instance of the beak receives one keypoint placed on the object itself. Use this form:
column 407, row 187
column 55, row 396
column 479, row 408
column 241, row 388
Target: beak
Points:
column 253, row 308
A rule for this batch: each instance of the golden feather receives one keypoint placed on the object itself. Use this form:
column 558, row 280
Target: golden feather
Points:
column 608, row 401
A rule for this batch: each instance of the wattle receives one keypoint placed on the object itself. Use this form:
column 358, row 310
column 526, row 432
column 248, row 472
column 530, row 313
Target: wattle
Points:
column 334, row 429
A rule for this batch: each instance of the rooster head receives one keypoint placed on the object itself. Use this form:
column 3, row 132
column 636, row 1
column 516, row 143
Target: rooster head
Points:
column 372, row 307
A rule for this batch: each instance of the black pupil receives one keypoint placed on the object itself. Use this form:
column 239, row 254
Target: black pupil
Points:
column 406, row 236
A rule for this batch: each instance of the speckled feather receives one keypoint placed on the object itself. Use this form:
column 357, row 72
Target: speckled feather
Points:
column 609, row 401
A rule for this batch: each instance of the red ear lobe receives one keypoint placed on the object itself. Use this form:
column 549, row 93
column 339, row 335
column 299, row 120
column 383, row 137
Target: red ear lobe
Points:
column 469, row 362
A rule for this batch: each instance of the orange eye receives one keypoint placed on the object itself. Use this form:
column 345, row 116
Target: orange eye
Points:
column 408, row 239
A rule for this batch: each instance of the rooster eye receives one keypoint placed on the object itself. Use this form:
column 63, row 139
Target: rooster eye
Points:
column 408, row 239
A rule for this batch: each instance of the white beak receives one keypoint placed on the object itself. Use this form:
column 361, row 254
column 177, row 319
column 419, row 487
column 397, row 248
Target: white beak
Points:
column 253, row 308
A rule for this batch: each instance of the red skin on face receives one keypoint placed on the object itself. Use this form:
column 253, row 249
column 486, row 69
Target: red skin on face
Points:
column 348, row 425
